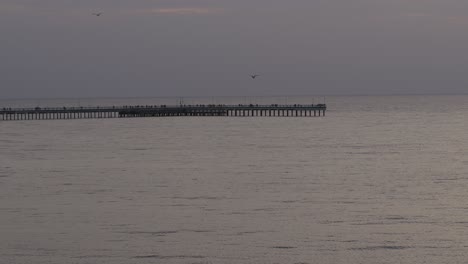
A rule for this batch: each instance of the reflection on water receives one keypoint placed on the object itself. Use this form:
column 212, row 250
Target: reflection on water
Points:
column 379, row 180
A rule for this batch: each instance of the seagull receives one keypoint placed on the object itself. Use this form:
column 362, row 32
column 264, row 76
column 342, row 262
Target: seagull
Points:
column 254, row 76
column 97, row 14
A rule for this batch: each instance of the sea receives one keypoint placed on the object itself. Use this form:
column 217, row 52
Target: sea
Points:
column 379, row 179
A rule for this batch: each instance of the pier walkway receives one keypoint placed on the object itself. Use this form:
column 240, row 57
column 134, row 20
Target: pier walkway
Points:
column 48, row 113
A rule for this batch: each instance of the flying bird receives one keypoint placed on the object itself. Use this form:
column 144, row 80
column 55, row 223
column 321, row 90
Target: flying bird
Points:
column 97, row 14
column 254, row 76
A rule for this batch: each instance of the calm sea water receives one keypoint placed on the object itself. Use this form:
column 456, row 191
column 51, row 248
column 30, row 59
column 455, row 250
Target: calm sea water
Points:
column 378, row 180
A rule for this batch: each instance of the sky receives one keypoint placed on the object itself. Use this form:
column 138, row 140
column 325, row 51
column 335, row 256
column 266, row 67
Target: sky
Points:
column 143, row 48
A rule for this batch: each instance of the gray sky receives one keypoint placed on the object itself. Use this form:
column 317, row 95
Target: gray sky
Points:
column 57, row 48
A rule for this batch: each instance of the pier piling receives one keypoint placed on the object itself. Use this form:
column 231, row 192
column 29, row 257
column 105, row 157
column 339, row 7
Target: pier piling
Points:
column 50, row 113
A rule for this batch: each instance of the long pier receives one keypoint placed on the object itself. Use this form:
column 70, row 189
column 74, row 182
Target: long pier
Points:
column 48, row 113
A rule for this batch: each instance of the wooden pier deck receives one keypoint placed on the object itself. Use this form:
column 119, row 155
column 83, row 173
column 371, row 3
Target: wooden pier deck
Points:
column 48, row 113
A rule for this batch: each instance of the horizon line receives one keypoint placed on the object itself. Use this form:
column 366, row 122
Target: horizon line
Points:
column 228, row 96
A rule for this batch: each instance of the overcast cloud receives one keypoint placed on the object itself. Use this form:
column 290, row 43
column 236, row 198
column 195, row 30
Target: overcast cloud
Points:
column 57, row 48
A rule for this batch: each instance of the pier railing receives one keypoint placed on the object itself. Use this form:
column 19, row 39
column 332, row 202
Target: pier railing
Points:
column 40, row 113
